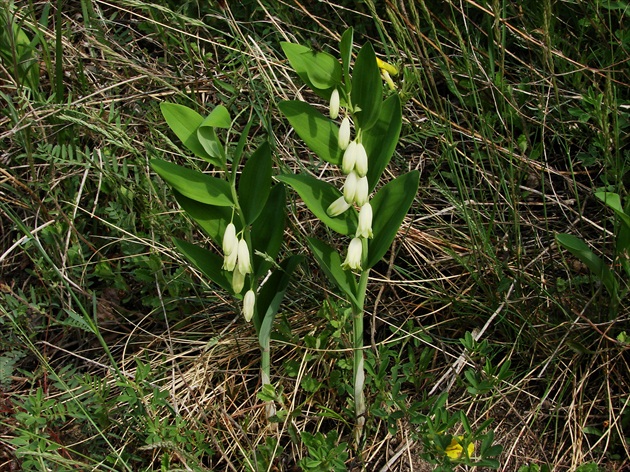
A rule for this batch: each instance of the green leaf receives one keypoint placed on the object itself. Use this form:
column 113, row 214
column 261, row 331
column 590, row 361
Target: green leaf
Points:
column 613, row 201
column 390, row 205
column 270, row 296
column 268, row 230
column 580, row 249
column 206, row 261
column 212, row 219
column 193, row 184
column 319, row 133
column 330, row 262
column 319, row 70
column 318, row 196
column 218, row 118
column 367, row 88
column 210, row 142
column 345, row 47
column 380, row 141
column 255, row 183
column 184, row 122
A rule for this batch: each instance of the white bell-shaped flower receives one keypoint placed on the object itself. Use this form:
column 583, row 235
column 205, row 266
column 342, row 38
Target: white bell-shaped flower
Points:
column 244, row 264
column 230, row 241
column 350, row 187
column 364, row 230
column 353, row 258
column 362, row 194
column 361, row 160
column 238, row 280
column 249, row 304
column 229, row 261
column 334, row 104
column 337, row 207
column 349, row 158
column 344, row 134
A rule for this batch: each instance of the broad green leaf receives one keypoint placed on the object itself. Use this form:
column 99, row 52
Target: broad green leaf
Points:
column 212, row 219
column 210, row 142
column 184, row 122
column 613, row 200
column 319, row 70
column 255, row 183
column 367, row 88
column 345, row 47
column 218, row 118
column 319, row 133
column 206, row 261
column 390, row 205
column 193, row 184
column 580, row 249
column 381, row 139
column 268, row 230
column 318, row 196
column 270, row 296
column 330, row 262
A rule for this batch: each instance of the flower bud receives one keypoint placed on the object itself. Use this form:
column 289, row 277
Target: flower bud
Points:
column 229, row 261
column 244, row 264
column 361, row 161
column 364, row 229
column 344, row 134
column 353, row 258
column 230, row 241
column 350, row 187
column 362, row 194
column 349, row 158
column 334, row 104
column 337, row 207
column 249, row 303
column 238, row 281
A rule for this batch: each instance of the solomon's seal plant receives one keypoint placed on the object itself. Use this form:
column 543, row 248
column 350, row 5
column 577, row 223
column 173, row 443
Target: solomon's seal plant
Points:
column 243, row 216
column 361, row 146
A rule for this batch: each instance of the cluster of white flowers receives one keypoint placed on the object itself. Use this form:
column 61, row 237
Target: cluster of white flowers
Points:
column 236, row 260
column 355, row 189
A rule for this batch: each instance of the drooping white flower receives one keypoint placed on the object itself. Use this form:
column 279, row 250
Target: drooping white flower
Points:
column 350, row 187
column 344, row 134
column 238, row 280
column 353, row 258
column 364, row 229
column 249, row 303
column 244, row 264
column 229, row 261
column 230, row 241
column 349, row 158
column 362, row 194
column 334, row 104
column 337, row 207
column 361, row 162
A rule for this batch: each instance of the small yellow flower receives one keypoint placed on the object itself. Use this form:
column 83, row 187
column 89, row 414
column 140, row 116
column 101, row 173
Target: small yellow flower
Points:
column 386, row 67
column 455, row 450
